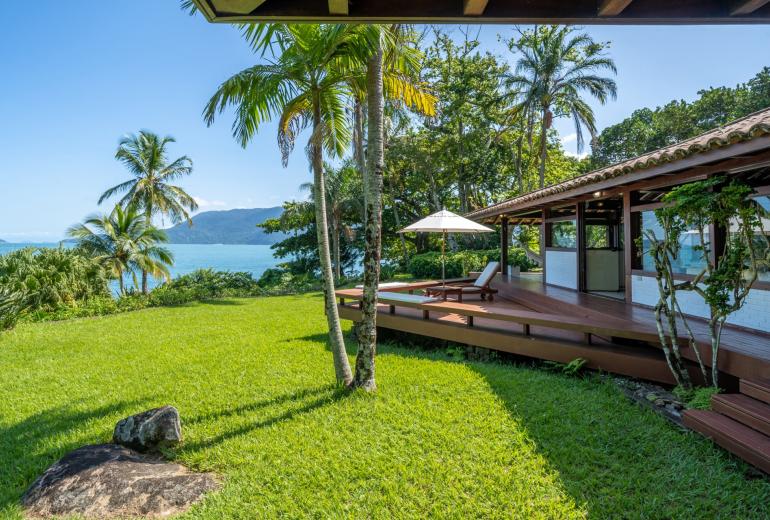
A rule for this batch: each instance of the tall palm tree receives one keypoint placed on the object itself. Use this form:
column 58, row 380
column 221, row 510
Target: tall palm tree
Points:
column 392, row 72
column 304, row 84
column 150, row 189
column 124, row 242
column 556, row 67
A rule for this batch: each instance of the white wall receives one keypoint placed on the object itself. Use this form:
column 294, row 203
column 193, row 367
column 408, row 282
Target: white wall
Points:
column 754, row 314
column 561, row 268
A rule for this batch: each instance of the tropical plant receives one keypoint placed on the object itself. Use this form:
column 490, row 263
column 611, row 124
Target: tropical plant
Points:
column 47, row 279
column 150, row 189
column 305, row 83
column 124, row 242
column 556, row 66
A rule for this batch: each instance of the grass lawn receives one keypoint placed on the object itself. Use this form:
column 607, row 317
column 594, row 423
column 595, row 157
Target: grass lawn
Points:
column 252, row 380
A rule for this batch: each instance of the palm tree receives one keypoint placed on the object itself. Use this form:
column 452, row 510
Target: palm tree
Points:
column 304, row 84
column 343, row 199
column 124, row 242
column 555, row 68
column 150, row 188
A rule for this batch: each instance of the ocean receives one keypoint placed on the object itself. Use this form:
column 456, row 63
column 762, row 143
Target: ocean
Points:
column 189, row 257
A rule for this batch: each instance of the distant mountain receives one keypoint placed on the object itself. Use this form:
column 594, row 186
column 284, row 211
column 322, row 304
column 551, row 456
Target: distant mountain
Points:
column 3, row 241
column 236, row 226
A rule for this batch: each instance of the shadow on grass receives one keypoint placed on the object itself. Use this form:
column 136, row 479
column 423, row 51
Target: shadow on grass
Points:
column 324, row 396
column 223, row 302
column 257, row 405
column 350, row 341
column 32, row 444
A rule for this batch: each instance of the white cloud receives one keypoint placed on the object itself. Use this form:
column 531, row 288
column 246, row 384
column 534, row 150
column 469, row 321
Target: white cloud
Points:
column 569, row 138
column 204, row 204
column 580, row 156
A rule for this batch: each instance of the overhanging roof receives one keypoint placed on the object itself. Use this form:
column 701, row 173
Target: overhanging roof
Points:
column 490, row 11
column 744, row 136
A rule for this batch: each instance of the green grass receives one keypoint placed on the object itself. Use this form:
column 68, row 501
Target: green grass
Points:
column 251, row 379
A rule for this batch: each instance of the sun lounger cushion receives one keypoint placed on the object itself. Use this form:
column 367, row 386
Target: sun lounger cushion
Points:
column 406, row 298
column 487, row 274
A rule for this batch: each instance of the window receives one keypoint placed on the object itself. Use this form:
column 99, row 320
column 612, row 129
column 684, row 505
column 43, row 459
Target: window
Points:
column 597, row 236
column 689, row 260
column 760, row 241
column 564, row 234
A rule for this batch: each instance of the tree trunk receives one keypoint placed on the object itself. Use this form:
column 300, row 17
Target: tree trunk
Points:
column 367, row 331
column 121, row 284
column 341, row 363
column 543, row 146
column 397, row 219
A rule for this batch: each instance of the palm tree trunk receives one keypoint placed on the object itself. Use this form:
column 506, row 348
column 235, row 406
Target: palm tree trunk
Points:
column 339, row 354
column 367, row 331
column 121, row 284
column 543, row 146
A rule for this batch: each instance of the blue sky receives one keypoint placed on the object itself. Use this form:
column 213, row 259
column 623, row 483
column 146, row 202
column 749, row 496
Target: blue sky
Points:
column 76, row 77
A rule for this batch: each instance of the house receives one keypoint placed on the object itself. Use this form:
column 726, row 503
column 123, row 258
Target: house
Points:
column 590, row 224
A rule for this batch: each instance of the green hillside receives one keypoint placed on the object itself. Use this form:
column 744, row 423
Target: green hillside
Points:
column 235, row 226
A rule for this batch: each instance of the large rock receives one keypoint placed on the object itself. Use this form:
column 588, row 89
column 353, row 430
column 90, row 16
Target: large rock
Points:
column 108, row 480
column 150, row 430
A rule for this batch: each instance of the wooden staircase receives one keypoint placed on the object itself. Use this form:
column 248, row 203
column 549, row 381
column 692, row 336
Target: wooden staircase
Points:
column 740, row 423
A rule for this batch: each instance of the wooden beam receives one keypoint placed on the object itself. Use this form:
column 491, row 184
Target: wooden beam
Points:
column 743, row 7
column 338, row 7
column 612, row 7
column 474, row 7
column 237, row 6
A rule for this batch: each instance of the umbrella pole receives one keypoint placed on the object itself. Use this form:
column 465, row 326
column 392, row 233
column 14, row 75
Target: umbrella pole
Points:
column 443, row 258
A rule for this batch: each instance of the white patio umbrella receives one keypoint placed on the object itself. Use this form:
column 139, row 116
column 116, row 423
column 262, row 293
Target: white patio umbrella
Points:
column 445, row 222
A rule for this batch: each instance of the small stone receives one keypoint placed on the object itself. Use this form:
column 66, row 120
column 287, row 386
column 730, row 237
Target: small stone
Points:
column 659, row 402
column 110, row 481
column 651, row 396
column 150, row 430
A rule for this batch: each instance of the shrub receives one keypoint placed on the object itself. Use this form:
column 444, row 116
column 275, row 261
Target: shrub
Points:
column 278, row 281
column 460, row 263
column 47, row 280
column 207, row 283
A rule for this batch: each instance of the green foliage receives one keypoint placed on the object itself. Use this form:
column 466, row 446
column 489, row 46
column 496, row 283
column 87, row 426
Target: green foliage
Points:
column 646, row 130
column 460, row 263
column 470, row 440
column 45, row 280
column 283, row 281
column 573, row 368
column 698, row 398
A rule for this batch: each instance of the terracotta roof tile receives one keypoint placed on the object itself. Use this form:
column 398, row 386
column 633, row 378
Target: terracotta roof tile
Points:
column 744, row 129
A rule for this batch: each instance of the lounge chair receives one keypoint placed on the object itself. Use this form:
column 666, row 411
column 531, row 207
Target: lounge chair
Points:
column 479, row 286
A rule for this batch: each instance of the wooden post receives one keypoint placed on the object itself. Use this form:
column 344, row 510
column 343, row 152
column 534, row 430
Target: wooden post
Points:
column 543, row 240
column 580, row 226
column 504, row 237
column 470, row 321
column 628, row 245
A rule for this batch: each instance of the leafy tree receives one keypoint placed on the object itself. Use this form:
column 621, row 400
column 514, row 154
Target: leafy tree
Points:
column 555, row 68
column 648, row 129
column 150, row 189
column 727, row 276
column 124, row 242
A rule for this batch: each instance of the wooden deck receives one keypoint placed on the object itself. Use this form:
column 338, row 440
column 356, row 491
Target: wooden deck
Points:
column 546, row 322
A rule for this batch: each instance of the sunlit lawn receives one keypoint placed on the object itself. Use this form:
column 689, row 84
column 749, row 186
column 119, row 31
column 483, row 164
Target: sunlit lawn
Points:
column 251, row 379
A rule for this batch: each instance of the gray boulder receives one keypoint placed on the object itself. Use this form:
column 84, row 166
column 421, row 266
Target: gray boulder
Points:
column 150, row 430
column 108, row 481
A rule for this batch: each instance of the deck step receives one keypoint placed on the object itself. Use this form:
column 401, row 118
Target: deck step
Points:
column 757, row 390
column 744, row 409
column 747, row 443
